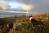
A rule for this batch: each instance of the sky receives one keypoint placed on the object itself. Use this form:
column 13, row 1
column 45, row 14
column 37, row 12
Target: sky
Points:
column 38, row 6
column 12, row 3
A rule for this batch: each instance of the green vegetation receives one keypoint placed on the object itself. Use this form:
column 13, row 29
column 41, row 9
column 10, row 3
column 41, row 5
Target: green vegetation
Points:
column 11, row 19
column 7, row 20
column 27, row 27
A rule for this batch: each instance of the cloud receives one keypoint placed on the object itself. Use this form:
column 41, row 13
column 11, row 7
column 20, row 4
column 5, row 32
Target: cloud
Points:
column 2, row 1
column 26, row 7
column 13, row 4
column 39, row 5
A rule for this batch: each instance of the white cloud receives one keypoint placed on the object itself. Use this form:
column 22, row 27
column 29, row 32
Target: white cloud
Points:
column 14, row 4
column 2, row 1
column 26, row 7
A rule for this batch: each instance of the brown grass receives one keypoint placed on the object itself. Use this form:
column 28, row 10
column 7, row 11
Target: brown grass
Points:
column 23, row 25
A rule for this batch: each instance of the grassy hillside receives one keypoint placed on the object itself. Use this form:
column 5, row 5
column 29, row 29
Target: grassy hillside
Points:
column 27, row 27
column 23, row 25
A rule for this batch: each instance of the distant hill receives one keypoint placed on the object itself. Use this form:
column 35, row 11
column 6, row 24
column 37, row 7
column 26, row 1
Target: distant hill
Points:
column 42, row 16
